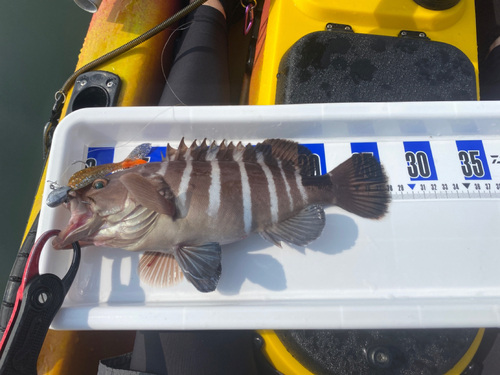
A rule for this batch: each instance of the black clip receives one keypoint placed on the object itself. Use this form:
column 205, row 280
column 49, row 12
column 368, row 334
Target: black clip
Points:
column 38, row 300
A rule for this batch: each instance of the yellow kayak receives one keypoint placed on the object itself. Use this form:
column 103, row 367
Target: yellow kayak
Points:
column 283, row 23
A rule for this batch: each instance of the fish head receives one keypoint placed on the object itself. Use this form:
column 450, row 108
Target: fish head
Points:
column 115, row 211
column 91, row 207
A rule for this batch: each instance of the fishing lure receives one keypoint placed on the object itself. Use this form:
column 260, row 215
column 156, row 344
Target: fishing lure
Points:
column 86, row 176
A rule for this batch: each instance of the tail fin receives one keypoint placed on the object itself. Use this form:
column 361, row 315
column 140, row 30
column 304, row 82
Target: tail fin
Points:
column 360, row 185
column 136, row 156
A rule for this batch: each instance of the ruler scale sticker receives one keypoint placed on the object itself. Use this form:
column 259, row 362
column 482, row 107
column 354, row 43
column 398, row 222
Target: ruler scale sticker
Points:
column 432, row 170
column 417, row 170
column 455, row 163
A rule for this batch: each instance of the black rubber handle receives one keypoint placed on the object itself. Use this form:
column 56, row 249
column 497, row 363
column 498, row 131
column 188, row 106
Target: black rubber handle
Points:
column 42, row 298
column 16, row 274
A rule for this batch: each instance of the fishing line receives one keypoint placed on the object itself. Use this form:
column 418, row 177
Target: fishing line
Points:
column 61, row 93
column 145, row 126
column 118, row 145
column 133, row 43
column 78, row 161
column 180, row 28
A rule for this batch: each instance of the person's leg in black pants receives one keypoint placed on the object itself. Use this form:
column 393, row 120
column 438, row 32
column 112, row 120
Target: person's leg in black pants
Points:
column 200, row 72
column 489, row 73
column 199, row 76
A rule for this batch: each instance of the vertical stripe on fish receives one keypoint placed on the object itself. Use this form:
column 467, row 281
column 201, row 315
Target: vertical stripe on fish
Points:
column 302, row 190
column 246, row 198
column 292, row 180
column 183, row 188
column 214, row 196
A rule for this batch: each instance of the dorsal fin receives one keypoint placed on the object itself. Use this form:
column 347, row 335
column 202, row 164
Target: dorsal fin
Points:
column 170, row 152
column 181, row 151
column 238, row 152
column 199, row 152
column 202, row 154
column 249, row 154
column 264, row 151
column 228, row 155
column 212, row 152
column 291, row 154
column 188, row 155
column 283, row 149
column 306, row 164
column 222, row 151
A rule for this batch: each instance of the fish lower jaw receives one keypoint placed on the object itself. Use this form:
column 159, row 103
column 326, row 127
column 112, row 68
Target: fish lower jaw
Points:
column 77, row 229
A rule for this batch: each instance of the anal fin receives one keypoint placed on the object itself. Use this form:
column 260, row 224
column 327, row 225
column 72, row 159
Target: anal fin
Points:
column 300, row 229
column 201, row 265
column 159, row 269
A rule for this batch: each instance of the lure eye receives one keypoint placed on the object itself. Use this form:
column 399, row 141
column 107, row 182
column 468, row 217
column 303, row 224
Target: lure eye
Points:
column 99, row 183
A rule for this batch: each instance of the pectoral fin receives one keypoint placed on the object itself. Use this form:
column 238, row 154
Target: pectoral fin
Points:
column 159, row 269
column 146, row 194
column 201, row 265
column 300, row 229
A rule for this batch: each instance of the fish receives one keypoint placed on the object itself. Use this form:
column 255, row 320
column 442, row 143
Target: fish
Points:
column 86, row 176
column 180, row 211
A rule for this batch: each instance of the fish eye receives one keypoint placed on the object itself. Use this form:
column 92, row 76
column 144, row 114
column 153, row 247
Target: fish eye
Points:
column 99, row 183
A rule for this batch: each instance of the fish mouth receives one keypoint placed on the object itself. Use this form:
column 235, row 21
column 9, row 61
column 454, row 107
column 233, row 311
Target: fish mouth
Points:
column 82, row 225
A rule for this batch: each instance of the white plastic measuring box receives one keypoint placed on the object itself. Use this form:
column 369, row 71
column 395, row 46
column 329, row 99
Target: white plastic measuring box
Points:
column 433, row 261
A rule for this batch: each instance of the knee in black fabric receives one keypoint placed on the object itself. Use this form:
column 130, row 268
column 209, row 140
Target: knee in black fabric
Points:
column 489, row 76
column 200, row 72
column 194, row 352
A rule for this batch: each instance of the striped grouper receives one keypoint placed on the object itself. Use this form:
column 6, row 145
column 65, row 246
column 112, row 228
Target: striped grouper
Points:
column 181, row 210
